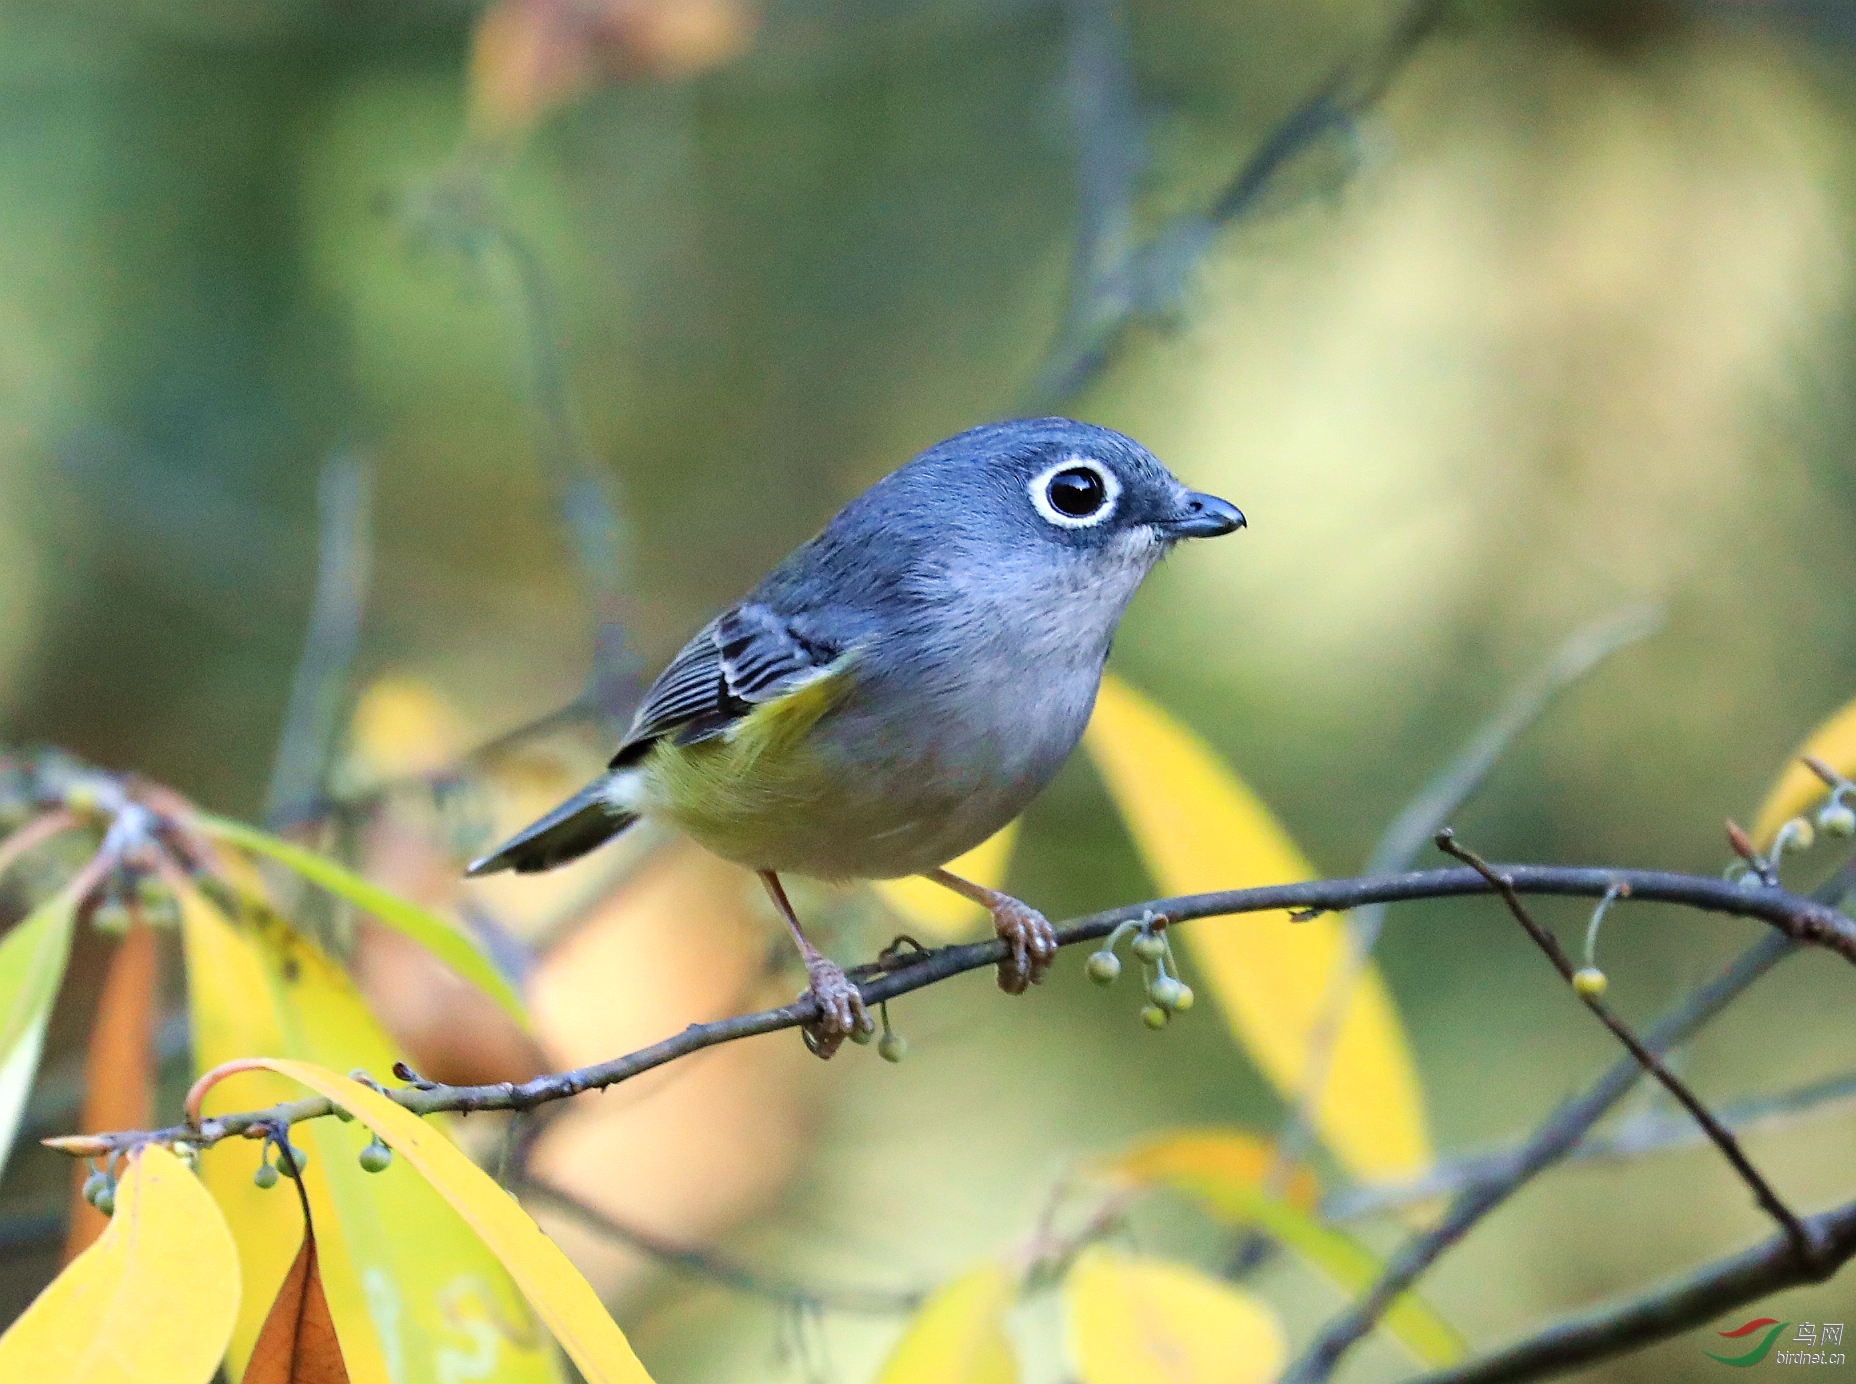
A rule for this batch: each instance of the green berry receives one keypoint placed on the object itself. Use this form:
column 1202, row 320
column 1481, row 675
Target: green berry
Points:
column 106, row 1200
column 1838, row 819
column 892, row 1046
column 1165, row 992
column 300, row 1158
column 265, row 1177
column 861, row 1035
column 94, row 1186
column 1796, row 835
column 1154, row 1016
column 1103, row 966
column 375, row 1157
column 1183, row 1000
column 1589, row 981
column 1149, row 946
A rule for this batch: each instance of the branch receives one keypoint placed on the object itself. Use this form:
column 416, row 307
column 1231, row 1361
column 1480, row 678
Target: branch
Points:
column 724, row 1272
column 1555, row 1138
column 1667, row 1310
column 313, row 718
column 1148, row 279
column 1633, row 1138
column 1769, row 1200
column 1414, row 826
column 1794, row 919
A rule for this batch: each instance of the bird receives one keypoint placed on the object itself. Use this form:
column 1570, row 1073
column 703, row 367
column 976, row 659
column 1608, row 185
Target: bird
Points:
column 900, row 686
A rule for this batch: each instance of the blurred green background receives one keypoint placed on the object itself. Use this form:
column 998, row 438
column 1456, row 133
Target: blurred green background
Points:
column 1568, row 331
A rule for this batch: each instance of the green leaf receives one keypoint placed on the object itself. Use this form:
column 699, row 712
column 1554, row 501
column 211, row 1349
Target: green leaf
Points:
column 564, row 1300
column 32, row 961
column 414, row 1294
column 428, row 930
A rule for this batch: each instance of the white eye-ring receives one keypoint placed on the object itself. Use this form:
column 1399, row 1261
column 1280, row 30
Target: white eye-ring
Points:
column 1077, row 493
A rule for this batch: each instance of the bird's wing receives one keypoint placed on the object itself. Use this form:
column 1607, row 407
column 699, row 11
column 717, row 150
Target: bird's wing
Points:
column 744, row 657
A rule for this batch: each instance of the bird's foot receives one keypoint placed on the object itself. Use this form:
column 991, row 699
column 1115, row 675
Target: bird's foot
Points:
column 841, row 1009
column 1030, row 936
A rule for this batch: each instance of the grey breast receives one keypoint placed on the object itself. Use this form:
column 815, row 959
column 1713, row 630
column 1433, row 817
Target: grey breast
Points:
column 966, row 705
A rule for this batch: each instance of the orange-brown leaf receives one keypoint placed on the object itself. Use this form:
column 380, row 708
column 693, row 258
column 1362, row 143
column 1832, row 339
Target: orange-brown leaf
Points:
column 118, row 1067
column 297, row 1344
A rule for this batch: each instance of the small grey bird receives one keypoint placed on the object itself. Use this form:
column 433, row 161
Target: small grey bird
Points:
column 901, row 686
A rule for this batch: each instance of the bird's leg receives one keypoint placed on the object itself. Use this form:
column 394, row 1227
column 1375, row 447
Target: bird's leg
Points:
column 1025, row 930
column 840, row 1006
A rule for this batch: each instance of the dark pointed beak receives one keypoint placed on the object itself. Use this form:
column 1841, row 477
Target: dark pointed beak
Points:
column 1205, row 516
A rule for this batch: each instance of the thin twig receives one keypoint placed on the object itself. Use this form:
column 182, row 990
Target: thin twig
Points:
column 1417, row 822
column 1636, row 1137
column 720, row 1270
column 1110, row 157
column 1793, row 919
column 1150, row 278
column 312, row 720
column 1718, row 1134
column 1551, row 1142
column 1666, row 1310
column 1557, row 1135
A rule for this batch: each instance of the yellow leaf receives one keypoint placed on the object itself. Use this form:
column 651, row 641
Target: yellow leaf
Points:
column 402, row 727
column 1145, row 1321
column 1200, row 1160
column 434, row 934
column 1199, row 828
column 416, row 1297
column 1223, row 1170
column 941, row 913
column 151, row 1302
column 1798, row 788
column 958, row 1336
column 32, row 962
column 552, row 1284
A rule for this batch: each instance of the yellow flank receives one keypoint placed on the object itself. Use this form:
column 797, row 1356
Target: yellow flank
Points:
column 723, row 792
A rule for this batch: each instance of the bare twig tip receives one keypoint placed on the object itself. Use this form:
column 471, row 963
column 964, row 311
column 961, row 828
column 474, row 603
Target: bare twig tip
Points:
column 1830, row 776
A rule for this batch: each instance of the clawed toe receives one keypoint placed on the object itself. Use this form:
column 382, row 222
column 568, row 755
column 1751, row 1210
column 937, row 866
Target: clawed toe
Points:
column 840, row 1008
column 1033, row 942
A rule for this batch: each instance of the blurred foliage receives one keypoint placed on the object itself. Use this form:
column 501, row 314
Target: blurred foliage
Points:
column 1574, row 333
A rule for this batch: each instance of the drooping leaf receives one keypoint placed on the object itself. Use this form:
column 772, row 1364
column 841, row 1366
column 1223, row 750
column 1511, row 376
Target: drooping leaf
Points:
column 1199, row 828
column 416, row 1298
column 552, row 1285
column 298, row 1344
column 1797, row 788
column 151, row 1302
column 1204, row 1161
column 119, row 1064
column 434, row 934
column 32, row 962
column 1222, row 1173
column 1145, row 1321
column 941, row 913
column 958, row 1336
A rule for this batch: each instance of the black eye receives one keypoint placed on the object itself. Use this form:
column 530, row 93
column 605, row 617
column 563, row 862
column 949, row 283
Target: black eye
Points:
column 1077, row 492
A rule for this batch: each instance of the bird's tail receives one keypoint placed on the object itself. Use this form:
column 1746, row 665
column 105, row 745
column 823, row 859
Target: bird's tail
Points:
column 590, row 818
